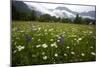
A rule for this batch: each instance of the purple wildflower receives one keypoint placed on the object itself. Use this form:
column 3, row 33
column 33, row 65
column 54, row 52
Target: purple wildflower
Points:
column 28, row 38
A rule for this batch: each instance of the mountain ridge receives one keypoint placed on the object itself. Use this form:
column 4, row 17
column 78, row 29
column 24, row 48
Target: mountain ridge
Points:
column 60, row 11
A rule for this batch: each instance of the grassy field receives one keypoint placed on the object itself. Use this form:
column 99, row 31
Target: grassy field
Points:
column 50, row 43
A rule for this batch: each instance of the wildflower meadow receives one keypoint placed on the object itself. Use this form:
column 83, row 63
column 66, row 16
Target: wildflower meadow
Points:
column 36, row 43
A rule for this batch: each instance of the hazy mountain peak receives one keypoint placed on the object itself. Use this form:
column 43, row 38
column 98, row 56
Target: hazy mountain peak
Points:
column 62, row 8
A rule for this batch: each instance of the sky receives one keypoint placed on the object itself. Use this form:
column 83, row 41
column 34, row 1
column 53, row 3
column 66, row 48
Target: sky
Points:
column 89, row 2
column 77, row 8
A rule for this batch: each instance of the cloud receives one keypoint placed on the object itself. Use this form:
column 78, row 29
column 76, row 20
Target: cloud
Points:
column 77, row 8
column 88, row 2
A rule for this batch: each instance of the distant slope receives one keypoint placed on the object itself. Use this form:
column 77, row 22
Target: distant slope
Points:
column 21, row 6
column 90, row 14
column 62, row 11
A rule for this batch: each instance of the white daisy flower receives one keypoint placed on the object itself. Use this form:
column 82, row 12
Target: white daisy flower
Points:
column 58, row 40
column 82, row 54
column 72, row 52
column 51, row 39
column 56, row 54
column 54, row 62
column 90, row 32
column 80, row 39
column 38, row 46
column 20, row 48
column 43, row 53
column 63, row 32
column 93, row 53
column 45, row 57
column 45, row 30
column 39, row 28
column 72, row 36
column 67, row 47
column 44, row 45
column 91, row 47
column 33, row 26
column 75, row 39
column 51, row 29
column 54, row 45
column 65, row 54
column 32, row 38
column 39, row 39
column 62, row 35
column 22, row 31
column 15, row 51
column 59, row 37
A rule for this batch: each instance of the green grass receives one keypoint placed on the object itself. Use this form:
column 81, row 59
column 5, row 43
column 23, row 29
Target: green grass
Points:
column 39, row 43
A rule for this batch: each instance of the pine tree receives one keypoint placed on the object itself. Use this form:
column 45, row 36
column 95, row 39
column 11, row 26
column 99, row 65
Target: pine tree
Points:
column 78, row 19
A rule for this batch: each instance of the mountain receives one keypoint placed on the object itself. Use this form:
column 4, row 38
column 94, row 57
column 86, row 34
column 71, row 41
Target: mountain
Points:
column 21, row 6
column 60, row 11
column 89, row 14
column 53, row 12
column 64, row 12
column 66, row 9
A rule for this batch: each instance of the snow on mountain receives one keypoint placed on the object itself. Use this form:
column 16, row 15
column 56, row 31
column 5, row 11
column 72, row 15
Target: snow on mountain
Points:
column 63, row 13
